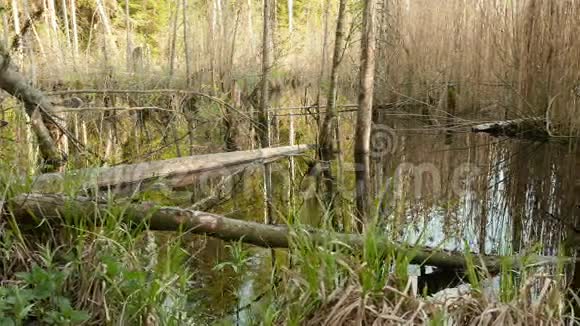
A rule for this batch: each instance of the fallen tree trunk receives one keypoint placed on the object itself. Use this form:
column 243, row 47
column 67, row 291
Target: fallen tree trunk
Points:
column 529, row 128
column 37, row 107
column 174, row 173
column 31, row 208
column 128, row 108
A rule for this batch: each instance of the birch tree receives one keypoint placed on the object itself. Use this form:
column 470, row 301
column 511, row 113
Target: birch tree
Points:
column 75, row 30
column 364, row 114
column 66, row 24
column 290, row 15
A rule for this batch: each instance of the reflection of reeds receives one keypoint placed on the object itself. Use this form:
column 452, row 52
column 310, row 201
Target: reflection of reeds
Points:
column 513, row 58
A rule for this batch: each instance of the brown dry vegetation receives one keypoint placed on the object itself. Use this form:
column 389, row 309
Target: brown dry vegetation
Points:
column 351, row 306
column 508, row 59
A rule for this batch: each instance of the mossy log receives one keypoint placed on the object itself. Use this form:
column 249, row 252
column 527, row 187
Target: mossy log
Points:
column 33, row 208
column 174, row 173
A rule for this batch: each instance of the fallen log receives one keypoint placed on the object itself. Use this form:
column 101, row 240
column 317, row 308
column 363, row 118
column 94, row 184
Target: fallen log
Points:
column 529, row 128
column 32, row 208
column 37, row 107
column 108, row 108
column 174, row 173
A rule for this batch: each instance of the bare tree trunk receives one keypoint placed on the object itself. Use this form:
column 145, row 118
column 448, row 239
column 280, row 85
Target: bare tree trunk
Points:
column 109, row 43
column 186, row 44
column 233, row 45
column 128, row 35
column 292, row 176
column 264, row 123
column 328, row 132
column 53, row 28
column 5, row 28
column 75, row 30
column 66, row 24
column 267, row 60
column 16, row 20
column 173, row 41
column 211, row 47
column 25, row 42
column 108, row 130
column 104, row 17
column 219, row 39
column 251, row 25
column 218, row 16
column 364, row 115
column 324, row 54
column 274, row 24
column 230, row 123
column 190, row 110
column 290, row 16
column 52, row 16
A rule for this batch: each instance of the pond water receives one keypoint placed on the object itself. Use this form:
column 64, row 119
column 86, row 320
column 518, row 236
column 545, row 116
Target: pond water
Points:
column 496, row 195
column 438, row 189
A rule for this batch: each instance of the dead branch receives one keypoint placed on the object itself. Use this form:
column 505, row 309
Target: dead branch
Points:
column 37, row 107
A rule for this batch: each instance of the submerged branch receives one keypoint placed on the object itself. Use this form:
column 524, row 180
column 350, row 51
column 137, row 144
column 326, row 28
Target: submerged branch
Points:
column 530, row 128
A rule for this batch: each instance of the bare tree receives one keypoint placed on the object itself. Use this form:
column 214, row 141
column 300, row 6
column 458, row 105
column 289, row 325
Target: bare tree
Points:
column 267, row 61
column 53, row 27
column 324, row 54
column 25, row 42
column 211, row 46
column 290, row 16
column 250, row 24
column 264, row 123
column 16, row 18
column 109, row 44
column 327, row 139
column 5, row 30
column 66, row 24
column 128, row 35
column 186, row 44
column 364, row 115
column 173, row 40
column 75, row 30
column 52, row 15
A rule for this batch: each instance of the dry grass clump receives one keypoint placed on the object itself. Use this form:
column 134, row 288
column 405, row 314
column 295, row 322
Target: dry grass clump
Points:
column 352, row 306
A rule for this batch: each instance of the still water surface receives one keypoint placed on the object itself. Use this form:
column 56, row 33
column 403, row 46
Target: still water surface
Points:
column 494, row 195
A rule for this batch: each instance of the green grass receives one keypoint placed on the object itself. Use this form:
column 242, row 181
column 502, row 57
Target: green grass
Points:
column 101, row 270
column 97, row 270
